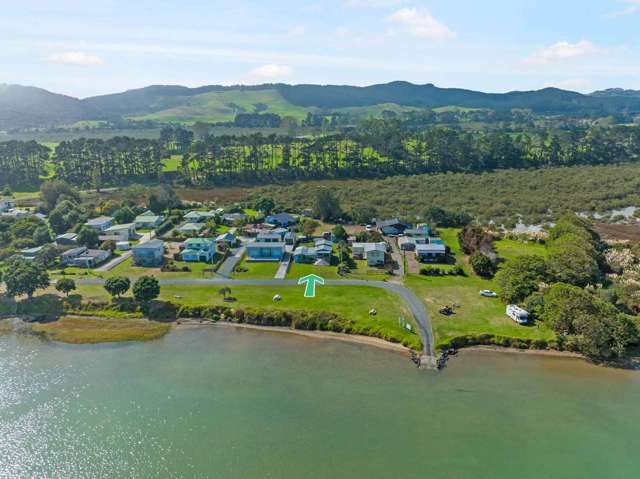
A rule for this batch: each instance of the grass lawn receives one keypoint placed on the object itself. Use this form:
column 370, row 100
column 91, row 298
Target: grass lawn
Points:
column 510, row 249
column 475, row 314
column 351, row 302
column 129, row 270
column 92, row 330
column 256, row 269
column 172, row 163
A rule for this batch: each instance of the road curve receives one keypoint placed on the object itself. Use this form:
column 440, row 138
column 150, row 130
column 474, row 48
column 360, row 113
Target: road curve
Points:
column 416, row 306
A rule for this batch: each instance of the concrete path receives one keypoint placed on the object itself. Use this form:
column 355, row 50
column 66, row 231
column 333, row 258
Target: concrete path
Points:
column 417, row 308
column 231, row 262
column 398, row 260
column 283, row 267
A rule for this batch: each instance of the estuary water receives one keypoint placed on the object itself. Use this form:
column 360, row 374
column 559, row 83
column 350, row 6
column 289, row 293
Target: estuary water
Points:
column 233, row 403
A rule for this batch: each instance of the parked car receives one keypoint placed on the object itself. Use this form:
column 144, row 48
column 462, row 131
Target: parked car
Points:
column 487, row 293
column 368, row 227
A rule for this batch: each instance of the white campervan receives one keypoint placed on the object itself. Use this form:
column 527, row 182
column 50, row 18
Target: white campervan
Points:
column 518, row 314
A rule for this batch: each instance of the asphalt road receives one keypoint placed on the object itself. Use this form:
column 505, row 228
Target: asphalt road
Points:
column 416, row 306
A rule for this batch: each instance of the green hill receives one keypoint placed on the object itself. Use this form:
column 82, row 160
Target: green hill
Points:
column 29, row 107
column 218, row 106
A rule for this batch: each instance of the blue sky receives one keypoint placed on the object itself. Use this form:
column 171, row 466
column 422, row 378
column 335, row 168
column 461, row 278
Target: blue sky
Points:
column 85, row 48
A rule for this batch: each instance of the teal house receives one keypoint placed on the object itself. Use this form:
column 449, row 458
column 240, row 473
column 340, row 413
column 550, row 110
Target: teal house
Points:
column 199, row 249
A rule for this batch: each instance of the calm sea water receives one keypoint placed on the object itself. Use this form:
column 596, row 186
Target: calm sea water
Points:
column 227, row 403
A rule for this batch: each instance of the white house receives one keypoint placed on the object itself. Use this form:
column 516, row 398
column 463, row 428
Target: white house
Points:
column 100, row 223
column 7, row 204
column 148, row 220
column 119, row 232
column 374, row 253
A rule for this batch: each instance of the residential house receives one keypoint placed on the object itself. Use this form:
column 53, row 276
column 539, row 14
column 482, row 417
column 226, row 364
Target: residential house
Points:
column 123, row 246
column 260, row 251
column 280, row 231
column 83, row 257
column 68, row 256
column 305, row 254
column 431, row 252
column 324, row 249
column 232, row 218
column 101, row 223
column 253, row 230
column 290, row 238
column 116, row 233
column 420, row 235
column 392, row 227
column 148, row 220
column 407, row 243
column 374, row 253
column 16, row 213
column 228, row 239
column 199, row 249
column 351, row 240
column 149, row 253
column 281, row 219
column 67, row 239
column 199, row 216
column 191, row 229
column 7, row 204
column 268, row 238
column 30, row 253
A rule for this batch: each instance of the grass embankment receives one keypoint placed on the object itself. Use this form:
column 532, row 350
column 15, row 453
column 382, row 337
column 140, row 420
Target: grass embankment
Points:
column 474, row 315
column 350, row 302
column 93, row 330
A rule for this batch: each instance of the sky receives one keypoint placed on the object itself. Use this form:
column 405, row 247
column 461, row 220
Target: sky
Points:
column 84, row 48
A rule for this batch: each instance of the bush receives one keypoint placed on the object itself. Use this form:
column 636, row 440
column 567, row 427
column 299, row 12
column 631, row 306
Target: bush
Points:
column 482, row 265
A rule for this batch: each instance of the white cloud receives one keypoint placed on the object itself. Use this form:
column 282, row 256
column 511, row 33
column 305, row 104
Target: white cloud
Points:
column 561, row 51
column 269, row 72
column 420, row 23
column 297, row 31
column 75, row 58
column 633, row 6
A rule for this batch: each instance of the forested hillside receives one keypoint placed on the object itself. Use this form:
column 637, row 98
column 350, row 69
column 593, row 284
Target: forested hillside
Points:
column 28, row 107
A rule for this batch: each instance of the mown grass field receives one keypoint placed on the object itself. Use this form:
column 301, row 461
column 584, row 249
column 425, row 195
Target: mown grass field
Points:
column 474, row 314
column 362, row 271
column 255, row 269
column 350, row 302
column 93, row 330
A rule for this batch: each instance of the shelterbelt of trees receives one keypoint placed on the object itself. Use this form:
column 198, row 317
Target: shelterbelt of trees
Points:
column 377, row 148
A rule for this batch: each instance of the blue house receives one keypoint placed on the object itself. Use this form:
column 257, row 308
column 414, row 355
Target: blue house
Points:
column 199, row 249
column 260, row 251
column 149, row 253
column 304, row 254
column 282, row 219
column 391, row 227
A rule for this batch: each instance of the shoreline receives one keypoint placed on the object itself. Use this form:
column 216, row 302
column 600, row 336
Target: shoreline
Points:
column 533, row 352
column 324, row 335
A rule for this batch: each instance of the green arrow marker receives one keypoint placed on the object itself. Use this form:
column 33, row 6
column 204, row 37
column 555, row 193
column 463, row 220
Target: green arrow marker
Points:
column 310, row 280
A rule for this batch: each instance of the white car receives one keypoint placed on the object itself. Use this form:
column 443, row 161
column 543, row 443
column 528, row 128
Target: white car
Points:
column 368, row 228
column 487, row 293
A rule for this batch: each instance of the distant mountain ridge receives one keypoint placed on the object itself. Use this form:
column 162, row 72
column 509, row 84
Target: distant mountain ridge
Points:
column 611, row 92
column 31, row 107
